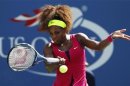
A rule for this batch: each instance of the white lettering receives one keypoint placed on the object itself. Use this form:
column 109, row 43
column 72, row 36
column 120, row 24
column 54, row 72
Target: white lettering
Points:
column 39, row 39
column 19, row 39
column 1, row 47
column 7, row 44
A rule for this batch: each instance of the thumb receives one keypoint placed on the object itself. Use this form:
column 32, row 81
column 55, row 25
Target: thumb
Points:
column 122, row 30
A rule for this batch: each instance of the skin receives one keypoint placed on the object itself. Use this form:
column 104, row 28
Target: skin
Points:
column 59, row 36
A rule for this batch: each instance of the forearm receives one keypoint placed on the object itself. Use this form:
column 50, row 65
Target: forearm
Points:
column 92, row 44
column 51, row 67
column 104, row 43
column 56, row 62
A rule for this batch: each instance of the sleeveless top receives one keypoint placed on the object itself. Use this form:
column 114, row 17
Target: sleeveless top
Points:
column 75, row 61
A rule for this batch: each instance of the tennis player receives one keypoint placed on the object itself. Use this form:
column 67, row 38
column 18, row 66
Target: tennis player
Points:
column 69, row 48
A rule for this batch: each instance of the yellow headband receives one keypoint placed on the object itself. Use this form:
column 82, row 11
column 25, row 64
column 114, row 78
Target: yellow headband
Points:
column 57, row 23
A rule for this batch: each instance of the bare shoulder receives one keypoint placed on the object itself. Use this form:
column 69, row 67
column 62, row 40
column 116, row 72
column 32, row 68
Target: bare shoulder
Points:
column 81, row 36
column 48, row 47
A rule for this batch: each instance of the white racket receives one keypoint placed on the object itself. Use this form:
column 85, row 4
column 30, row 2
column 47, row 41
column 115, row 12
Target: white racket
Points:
column 22, row 56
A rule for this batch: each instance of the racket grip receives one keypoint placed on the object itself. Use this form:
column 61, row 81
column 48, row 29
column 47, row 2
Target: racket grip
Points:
column 52, row 60
column 49, row 60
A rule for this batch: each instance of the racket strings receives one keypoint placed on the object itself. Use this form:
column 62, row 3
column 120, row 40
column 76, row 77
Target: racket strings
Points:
column 20, row 55
column 21, row 58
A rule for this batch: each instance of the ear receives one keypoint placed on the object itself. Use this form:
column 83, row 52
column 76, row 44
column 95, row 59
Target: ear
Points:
column 66, row 31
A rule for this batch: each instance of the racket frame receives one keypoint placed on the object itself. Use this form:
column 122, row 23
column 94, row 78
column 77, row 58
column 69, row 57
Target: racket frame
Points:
column 21, row 44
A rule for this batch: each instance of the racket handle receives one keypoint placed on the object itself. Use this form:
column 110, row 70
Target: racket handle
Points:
column 49, row 60
column 38, row 62
column 52, row 60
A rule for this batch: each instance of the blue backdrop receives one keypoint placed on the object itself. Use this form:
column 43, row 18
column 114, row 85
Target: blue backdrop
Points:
column 95, row 18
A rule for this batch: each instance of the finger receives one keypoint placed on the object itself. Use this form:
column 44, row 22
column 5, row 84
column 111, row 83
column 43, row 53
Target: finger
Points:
column 127, row 37
column 124, row 36
column 122, row 30
column 58, row 57
column 61, row 59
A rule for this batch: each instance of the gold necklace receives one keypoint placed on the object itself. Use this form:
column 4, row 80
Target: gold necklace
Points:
column 62, row 45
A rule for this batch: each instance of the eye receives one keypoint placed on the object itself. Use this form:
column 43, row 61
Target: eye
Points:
column 57, row 32
column 51, row 33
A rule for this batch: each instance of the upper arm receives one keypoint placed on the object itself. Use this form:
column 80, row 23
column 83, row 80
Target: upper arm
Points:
column 86, row 42
column 49, row 53
column 48, row 50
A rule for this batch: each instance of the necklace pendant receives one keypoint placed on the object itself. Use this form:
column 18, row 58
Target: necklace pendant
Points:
column 62, row 45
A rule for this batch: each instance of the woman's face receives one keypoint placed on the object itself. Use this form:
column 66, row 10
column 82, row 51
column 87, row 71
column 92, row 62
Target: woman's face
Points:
column 57, row 34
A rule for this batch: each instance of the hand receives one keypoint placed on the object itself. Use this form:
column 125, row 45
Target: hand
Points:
column 120, row 34
column 61, row 60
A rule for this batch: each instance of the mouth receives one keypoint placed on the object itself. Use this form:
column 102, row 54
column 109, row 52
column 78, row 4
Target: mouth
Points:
column 57, row 42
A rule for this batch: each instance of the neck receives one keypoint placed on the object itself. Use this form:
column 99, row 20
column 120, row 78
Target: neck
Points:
column 66, row 40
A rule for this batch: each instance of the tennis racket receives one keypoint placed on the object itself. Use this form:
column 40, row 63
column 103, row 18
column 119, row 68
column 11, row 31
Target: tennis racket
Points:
column 23, row 55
